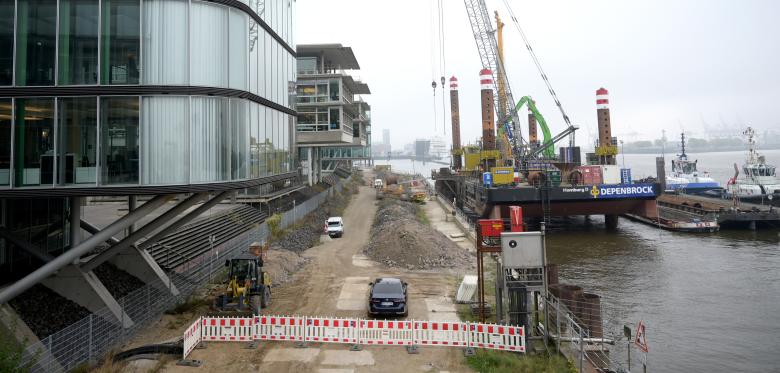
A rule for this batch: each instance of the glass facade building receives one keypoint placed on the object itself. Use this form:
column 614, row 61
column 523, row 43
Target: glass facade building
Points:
column 104, row 93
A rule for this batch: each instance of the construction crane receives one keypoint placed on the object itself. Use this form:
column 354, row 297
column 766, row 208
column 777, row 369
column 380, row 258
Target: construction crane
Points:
column 491, row 57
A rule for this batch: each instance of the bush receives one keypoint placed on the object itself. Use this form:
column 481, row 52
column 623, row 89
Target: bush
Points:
column 274, row 225
column 11, row 354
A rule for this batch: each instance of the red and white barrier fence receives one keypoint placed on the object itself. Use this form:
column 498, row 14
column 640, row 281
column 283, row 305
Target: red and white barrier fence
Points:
column 441, row 333
column 280, row 328
column 333, row 330
column 497, row 337
column 386, row 332
column 227, row 329
column 354, row 331
column 192, row 337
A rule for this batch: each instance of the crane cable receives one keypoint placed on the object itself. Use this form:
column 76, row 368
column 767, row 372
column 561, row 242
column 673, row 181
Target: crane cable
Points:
column 443, row 62
column 538, row 65
column 433, row 66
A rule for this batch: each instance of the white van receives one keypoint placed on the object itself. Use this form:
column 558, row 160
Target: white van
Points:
column 378, row 183
column 335, row 226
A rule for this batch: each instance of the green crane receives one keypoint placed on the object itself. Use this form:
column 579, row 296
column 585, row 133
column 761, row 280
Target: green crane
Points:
column 549, row 150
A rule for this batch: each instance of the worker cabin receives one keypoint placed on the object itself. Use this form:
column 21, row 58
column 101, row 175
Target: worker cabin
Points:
column 334, row 123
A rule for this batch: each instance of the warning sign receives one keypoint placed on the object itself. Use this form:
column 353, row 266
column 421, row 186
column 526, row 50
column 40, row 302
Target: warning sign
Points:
column 641, row 339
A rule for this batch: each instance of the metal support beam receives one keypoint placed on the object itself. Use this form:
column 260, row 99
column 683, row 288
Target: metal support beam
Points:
column 185, row 219
column 76, row 252
column 143, row 231
column 132, row 204
column 91, row 229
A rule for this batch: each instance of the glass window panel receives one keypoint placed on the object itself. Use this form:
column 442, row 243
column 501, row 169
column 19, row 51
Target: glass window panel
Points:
column 209, row 47
column 209, row 135
column 36, row 42
column 335, row 119
column 119, row 140
column 77, row 136
column 269, row 141
column 254, row 55
column 254, row 138
column 239, row 144
column 121, row 37
column 78, row 49
column 6, row 121
column 261, row 136
column 165, row 42
column 239, row 49
column 6, row 41
column 261, row 62
column 164, row 142
column 268, row 64
column 34, row 142
column 307, row 65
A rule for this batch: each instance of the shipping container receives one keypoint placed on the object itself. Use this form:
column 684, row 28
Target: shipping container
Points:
column 591, row 175
column 610, row 174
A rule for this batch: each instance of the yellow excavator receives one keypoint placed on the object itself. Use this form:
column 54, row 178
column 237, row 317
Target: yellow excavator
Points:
column 248, row 286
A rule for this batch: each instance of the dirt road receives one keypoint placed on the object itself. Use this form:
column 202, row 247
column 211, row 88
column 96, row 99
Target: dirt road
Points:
column 335, row 283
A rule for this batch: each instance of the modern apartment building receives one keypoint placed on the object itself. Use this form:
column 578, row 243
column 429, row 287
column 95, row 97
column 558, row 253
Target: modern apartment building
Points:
column 175, row 100
column 334, row 122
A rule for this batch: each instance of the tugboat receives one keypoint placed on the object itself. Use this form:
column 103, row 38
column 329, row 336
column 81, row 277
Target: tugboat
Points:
column 758, row 181
column 685, row 177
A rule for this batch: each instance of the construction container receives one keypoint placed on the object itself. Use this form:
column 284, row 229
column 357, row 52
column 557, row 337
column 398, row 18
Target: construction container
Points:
column 487, row 179
column 491, row 227
column 472, row 161
column 610, row 174
column 591, row 175
column 625, row 176
column 502, row 175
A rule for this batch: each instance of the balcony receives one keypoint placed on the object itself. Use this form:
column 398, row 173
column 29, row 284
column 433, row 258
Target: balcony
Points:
column 335, row 137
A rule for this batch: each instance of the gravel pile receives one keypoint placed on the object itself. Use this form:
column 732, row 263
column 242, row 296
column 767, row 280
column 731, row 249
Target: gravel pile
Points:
column 398, row 239
column 45, row 311
column 282, row 265
column 118, row 282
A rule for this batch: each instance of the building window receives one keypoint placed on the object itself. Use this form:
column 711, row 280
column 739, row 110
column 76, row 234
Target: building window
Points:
column 78, row 44
column 6, row 41
column 36, row 42
column 119, row 140
column 121, row 41
column 6, row 121
column 209, row 139
column 239, row 142
column 335, row 118
column 34, row 141
column 334, row 90
column 165, row 42
column 77, row 144
column 209, row 45
column 238, row 42
column 165, row 144
column 307, row 65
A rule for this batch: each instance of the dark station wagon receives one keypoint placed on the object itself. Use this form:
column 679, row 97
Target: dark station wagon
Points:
column 387, row 296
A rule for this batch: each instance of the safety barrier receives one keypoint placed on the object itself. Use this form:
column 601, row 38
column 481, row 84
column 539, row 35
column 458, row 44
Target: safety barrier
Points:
column 497, row 337
column 324, row 329
column 227, row 329
column 355, row 331
column 384, row 332
column 444, row 333
column 280, row 328
column 192, row 337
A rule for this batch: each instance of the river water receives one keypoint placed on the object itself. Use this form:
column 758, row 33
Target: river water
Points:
column 710, row 302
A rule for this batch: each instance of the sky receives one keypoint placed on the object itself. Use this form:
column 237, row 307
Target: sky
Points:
column 693, row 65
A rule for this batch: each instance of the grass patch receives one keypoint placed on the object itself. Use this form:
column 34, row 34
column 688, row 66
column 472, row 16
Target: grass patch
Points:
column 274, row 225
column 491, row 361
column 421, row 216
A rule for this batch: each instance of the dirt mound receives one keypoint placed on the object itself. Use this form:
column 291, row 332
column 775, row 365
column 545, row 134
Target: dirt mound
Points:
column 282, row 264
column 399, row 239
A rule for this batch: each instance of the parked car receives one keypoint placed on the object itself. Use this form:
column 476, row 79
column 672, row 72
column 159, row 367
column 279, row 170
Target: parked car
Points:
column 378, row 183
column 388, row 296
column 335, row 226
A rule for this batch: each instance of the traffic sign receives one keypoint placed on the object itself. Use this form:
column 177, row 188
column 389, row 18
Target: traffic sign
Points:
column 641, row 340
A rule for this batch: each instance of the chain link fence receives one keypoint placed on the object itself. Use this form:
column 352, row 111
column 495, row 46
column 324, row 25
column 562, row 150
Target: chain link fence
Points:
column 92, row 337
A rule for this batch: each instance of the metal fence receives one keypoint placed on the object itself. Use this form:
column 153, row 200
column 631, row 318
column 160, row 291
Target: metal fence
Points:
column 92, row 337
column 580, row 334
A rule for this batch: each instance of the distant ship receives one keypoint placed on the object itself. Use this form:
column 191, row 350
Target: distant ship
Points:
column 686, row 178
column 758, row 180
column 438, row 148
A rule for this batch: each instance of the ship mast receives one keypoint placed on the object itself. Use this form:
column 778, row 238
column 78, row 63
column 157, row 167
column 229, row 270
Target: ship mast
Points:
column 752, row 155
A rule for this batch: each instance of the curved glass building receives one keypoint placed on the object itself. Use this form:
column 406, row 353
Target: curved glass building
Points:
column 102, row 97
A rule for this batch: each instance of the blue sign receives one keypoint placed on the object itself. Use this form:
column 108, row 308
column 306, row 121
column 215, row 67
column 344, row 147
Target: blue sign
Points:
column 622, row 191
column 625, row 176
column 487, row 179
